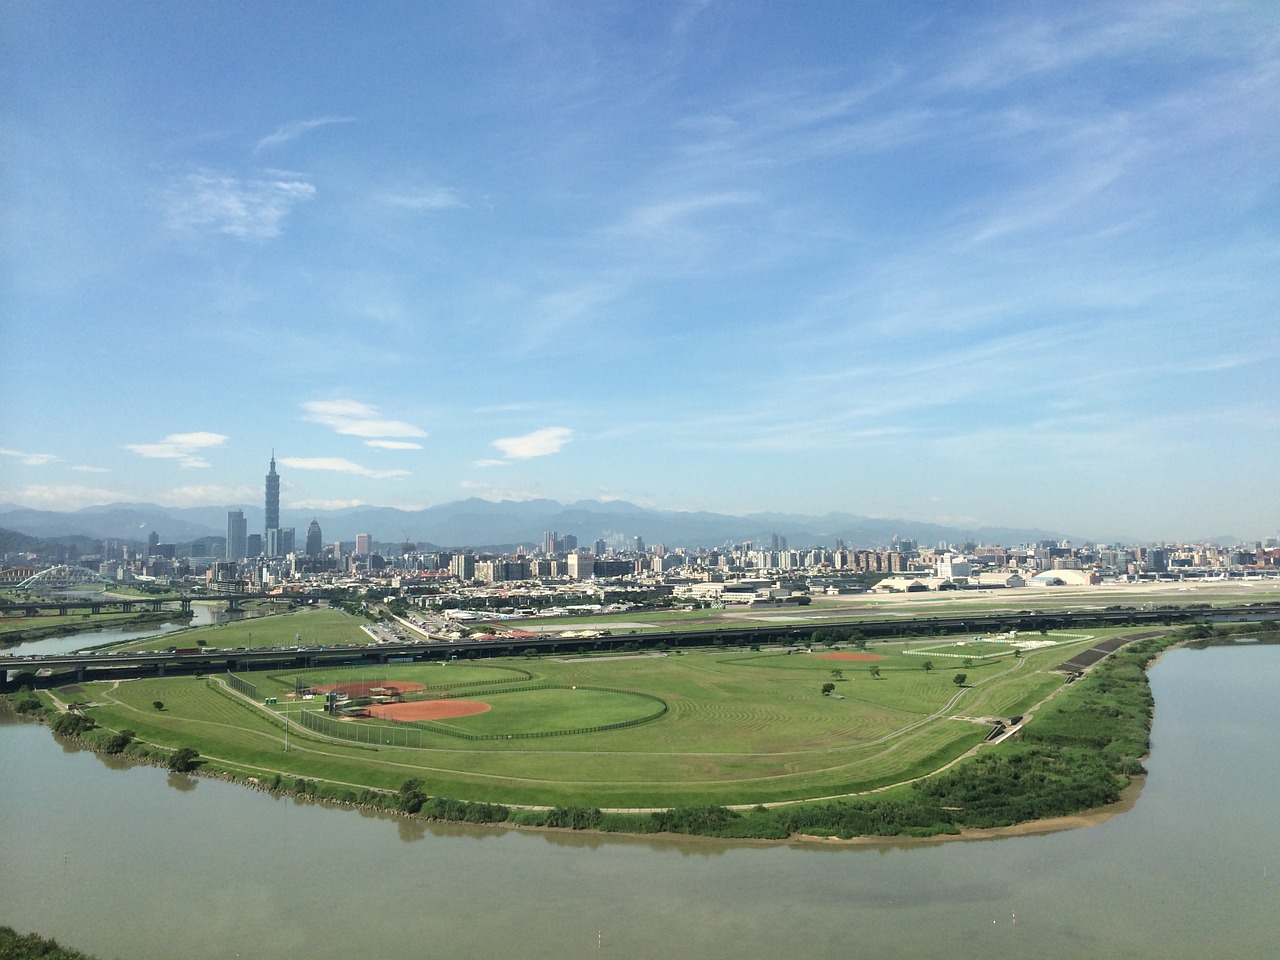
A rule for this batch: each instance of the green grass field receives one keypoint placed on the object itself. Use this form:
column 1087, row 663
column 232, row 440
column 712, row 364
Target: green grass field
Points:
column 309, row 626
column 740, row 727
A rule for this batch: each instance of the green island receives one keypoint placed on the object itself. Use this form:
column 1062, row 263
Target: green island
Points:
column 838, row 738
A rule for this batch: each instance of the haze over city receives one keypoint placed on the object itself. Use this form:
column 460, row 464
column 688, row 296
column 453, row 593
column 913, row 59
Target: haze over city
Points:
column 1013, row 264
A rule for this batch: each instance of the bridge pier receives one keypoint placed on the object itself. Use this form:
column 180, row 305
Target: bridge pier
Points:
column 156, row 605
column 233, row 605
column 186, row 605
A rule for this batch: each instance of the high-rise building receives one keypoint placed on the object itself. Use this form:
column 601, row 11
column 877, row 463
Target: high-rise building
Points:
column 364, row 544
column 270, row 540
column 273, row 496
column 314, row 542
column 237, row 535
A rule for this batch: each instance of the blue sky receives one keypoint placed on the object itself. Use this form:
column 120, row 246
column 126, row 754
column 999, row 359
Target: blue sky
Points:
column 1000, row 263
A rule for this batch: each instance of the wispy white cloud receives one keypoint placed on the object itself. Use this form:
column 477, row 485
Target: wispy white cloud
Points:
column 197, row 495
column 63, row 496
column 441, row 198
column 291, row 131
column 353, row 418
column 339, row 465
column 82, row 468
column 539, row 443
column 665, row 214
column 324, row 504
column 31, row 459
column 487, row 491
column 182, row 447
column 490, row 463
column 254, row 209
column 393, row 444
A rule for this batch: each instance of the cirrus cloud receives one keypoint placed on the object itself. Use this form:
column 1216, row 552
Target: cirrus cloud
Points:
column 339, row 465
column 31, row 459
column 291, row 131
column 539, row 443
column 179, row 446
column 240, row 208
column 356, row 419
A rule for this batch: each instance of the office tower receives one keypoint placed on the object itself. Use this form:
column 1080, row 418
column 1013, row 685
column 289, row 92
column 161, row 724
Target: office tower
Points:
column 237, row 535
column 364, row 544
column 270, row 540
column 314, row 542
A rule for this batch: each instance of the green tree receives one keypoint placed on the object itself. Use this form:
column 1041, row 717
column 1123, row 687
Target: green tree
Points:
column 959, row 679
column 158, row 704
column 72, row 724
column 828, row 689
column 837, row 674
column 184, row 760
column 118, row 742
column 874, row 670
column 927, row 666
column 530, row 652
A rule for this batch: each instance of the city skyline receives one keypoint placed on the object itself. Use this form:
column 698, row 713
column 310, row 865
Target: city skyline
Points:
column 1005, row 266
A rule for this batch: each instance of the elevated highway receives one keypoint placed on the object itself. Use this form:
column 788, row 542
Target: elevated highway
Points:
column 99, row 665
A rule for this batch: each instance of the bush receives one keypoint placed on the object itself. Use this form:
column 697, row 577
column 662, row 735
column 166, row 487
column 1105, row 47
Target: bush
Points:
column 184, row 760
column 72, row 724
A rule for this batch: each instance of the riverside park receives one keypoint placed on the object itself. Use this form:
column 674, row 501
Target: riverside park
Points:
column 828, row 732
column 640, row 730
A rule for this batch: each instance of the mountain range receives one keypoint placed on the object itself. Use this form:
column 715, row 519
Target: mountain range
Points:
column 480, row 524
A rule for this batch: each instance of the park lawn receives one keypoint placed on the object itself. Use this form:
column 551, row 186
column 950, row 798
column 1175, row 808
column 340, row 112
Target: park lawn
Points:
column 559, row 708
column 741, row 728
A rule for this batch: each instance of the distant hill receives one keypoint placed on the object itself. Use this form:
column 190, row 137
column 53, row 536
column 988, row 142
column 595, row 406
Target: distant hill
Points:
column 482, row 523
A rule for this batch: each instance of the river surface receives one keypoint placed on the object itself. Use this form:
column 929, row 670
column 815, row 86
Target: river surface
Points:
column 203, row 615
column 136, row 862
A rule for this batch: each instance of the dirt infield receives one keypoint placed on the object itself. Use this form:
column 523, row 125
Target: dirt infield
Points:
column 427, row 709
column 850, row 656
column 366, row 688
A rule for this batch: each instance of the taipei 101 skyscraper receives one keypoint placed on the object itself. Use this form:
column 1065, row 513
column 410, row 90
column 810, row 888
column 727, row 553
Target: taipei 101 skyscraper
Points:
column 273, row 501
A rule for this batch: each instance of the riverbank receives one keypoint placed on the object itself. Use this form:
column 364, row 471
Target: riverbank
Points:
column 1077, row 821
